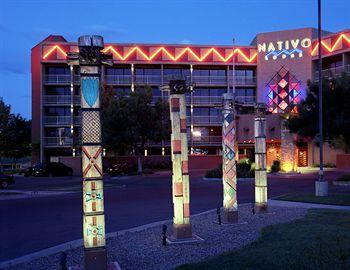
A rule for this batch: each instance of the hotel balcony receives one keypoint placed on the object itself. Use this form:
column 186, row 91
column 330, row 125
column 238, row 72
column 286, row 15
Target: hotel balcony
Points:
column 60, row 100
column 246, row 100
column 57, row 100
column 57, row 79
column 333, row 72
column 118, row 79
column 205, row 120
column 205, row 100
column 57, row 120
column 148, row 79
column 210, row 80
column 58, row 141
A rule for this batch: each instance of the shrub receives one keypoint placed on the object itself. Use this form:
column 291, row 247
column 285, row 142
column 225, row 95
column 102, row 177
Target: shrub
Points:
column 276, row 166
column 244, row 170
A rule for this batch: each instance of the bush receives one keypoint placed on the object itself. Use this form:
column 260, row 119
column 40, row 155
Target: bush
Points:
column 214, row 173
column 276, row 166
column 244, row 170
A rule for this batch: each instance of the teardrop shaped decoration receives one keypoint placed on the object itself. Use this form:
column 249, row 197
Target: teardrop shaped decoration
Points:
column 90, row 90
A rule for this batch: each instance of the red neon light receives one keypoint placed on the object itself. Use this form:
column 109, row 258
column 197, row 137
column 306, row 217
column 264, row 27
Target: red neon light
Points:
column 52, row 49
column 330, row 49
column 175, row 58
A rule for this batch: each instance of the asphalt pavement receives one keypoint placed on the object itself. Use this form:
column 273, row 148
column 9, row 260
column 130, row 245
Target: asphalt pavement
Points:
column 32, row 224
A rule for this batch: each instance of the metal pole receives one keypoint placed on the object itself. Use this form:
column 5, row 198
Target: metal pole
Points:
column 322, row 185
column 233, row 70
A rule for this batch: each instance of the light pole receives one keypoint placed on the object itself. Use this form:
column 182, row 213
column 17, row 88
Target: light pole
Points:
column 321, row 185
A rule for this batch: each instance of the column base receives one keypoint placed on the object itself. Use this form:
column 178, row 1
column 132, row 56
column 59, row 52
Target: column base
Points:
column 260, row 208
column 321, row 188
column 182, row 231
column 230, row 216
column 95, row 259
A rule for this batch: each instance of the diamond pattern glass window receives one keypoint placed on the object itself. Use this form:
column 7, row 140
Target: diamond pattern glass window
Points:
column 283, row 92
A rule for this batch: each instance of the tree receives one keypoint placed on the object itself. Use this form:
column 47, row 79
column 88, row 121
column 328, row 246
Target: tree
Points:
column 130, row 121
column 336, row 113
column 15, row 134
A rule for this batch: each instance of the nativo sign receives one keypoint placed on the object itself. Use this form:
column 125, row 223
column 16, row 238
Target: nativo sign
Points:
column 284, row 48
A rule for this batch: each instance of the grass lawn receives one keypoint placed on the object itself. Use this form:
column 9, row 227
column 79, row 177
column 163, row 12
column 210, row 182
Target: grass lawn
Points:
column 335, row 199
column 320, row 240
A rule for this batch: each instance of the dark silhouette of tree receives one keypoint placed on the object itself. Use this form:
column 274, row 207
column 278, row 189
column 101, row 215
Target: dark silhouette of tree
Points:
column 336, row 113
column 129, row 122
column 15, row 134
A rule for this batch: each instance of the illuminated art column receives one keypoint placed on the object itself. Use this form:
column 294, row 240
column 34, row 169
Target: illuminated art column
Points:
column 288, row 149
column 260, row 159
column 229, row 176
column 179, row 155
column 93, row 204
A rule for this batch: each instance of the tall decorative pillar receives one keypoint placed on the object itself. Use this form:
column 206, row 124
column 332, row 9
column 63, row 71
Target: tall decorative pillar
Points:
column 288, row 149
column 260, row 159
column 182, row 228
column 229, row 177
column 90, row 60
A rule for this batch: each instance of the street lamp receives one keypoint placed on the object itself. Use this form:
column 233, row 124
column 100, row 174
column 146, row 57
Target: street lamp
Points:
column 321, row 185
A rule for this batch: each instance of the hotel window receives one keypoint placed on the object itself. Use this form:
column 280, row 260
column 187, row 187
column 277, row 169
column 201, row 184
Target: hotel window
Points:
column 209, row 72
column 247, row 92
column 59, row 90
column 118, row 71
column 217, row 92
column 148, row 71
column 176, row 72
column 249, row 73
column 57, row 111
column 57, row 71
column 56, row 132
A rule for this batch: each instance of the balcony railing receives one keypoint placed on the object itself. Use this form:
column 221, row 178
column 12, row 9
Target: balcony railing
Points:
column 57, row 99
column 148, row 79
column 58, row 141
column 206, row 120
column 210, row 80
column 244, row 80
column 118, row 79
column 57, row 79
column 206, row 140
column 250, row 100
column 206, row 100
column 57, row 120
column 334, row 72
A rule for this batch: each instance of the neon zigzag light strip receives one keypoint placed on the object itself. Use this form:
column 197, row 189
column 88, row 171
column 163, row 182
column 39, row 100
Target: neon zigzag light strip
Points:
column 284, row 51
column 177, row 57
column 330, row 49
column 174, row 58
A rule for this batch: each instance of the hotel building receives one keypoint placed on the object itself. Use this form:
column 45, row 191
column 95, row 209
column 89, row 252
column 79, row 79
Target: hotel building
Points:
column 274, row 69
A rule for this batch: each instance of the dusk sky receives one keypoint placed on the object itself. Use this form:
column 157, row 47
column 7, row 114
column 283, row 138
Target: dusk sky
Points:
column 23, row 24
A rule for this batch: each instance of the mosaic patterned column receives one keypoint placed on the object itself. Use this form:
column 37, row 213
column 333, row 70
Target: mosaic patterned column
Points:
column 229, row 176
column 182, row 228
column 93, row 204
column 288, row 149
column 260, row 159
